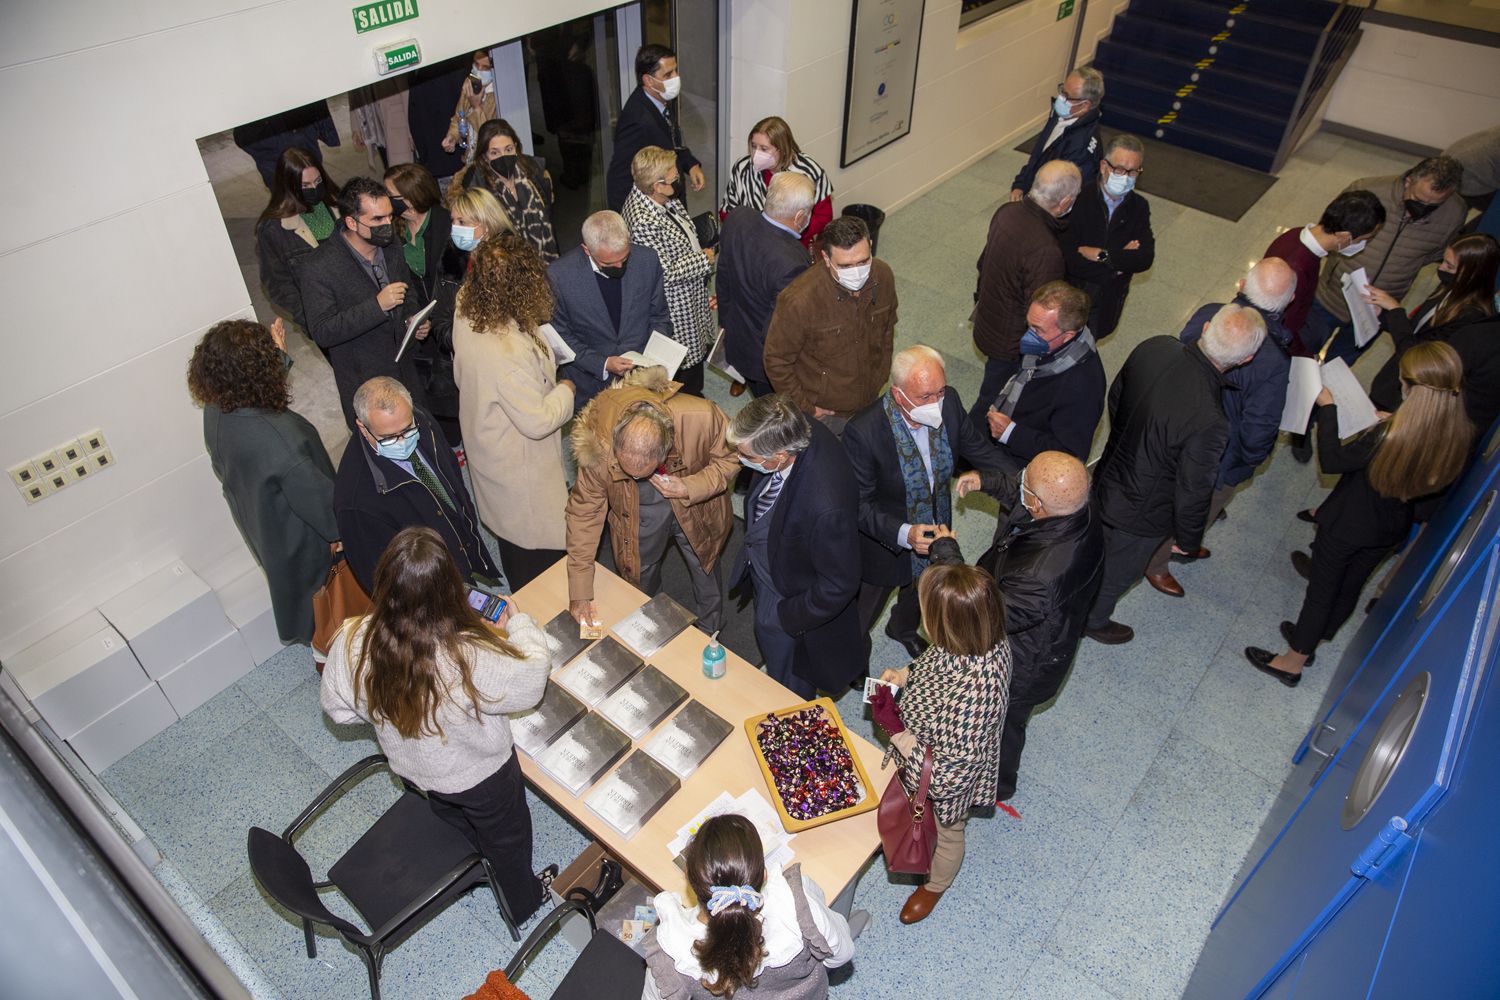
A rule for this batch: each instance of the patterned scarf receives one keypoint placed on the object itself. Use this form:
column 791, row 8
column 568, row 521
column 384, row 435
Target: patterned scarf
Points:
column 927, row 501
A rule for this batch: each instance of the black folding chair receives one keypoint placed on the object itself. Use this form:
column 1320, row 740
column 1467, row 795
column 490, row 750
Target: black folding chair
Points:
column 406, row 869
column 606, row 969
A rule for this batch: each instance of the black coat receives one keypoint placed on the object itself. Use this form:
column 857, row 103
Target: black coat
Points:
column 343, row 318
column 374, row 498
column 1021, row 254
column 429, row 108
column 1167, row 435
column 1049, row 572
column 641, row 125
column 280, row 253
column 814, row 552
column 756, row 261
column 1079, row 144
column 582, row 319
column 1107, row 282
column 1354, row 513
column 871, row 448
column 1058, row 413
column 278, row 484
column 1476, row 338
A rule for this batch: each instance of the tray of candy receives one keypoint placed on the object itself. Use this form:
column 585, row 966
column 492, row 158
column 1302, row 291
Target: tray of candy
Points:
column 808, row 761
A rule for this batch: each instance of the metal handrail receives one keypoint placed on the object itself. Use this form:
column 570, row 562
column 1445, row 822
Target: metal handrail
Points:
column 1335, row 46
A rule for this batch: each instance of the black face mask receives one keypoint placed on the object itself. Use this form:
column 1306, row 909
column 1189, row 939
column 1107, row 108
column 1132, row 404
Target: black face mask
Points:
column 505, row 165
column 313, row 196
column 1419, row 209
column 1445, row 278
column 616, row 271
column 382, row 235
column 398, row 205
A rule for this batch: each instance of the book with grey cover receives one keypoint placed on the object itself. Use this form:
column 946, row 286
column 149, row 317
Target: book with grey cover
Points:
column 594, row 675
column 653, row 625
column 582, row 753
column 533, row 731
column 629, row 797
column 563, row 629
column 643, row 701
column 687, row 739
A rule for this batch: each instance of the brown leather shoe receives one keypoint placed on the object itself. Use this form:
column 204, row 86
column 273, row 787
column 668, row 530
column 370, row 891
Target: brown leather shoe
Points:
column 736, row 388
column 1111, row 633
column 919, row 904
column 1166, row 583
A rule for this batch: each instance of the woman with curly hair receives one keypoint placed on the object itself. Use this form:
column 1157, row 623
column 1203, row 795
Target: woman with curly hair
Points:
column 511, row 405
column 276, row 476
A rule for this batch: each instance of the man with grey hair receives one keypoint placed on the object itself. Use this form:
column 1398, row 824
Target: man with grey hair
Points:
column 904, row 449
column 760, row 253
column 1109, row 239
column 801, row 550
column 608, row 297
column 1253, row 407
column 1071, row 132
column 1167, row 436
column 1021, row 254
column 399, row 472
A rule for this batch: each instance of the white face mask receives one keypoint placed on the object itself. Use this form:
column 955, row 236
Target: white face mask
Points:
column 853, row 278
column 762, row 160
column 1353, row 248
column 1119, row 185
column 928, row 414
column 671, row 88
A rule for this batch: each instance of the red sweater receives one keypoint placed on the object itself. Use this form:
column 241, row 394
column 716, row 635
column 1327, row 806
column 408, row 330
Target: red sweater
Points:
column 1290, row 248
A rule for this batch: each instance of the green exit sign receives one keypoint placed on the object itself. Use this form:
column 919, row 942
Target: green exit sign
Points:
column 370, row 16
column 402, row 55
column 1064, row 9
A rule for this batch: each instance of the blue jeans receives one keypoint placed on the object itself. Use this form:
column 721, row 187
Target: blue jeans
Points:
column 1322, row 324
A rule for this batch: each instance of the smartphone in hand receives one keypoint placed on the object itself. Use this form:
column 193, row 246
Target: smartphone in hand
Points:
column 489, row 606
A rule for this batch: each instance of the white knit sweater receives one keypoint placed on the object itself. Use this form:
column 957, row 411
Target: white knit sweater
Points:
column 470, row 749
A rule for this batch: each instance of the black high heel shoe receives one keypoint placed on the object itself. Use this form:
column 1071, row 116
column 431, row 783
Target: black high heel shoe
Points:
column 1261, row 659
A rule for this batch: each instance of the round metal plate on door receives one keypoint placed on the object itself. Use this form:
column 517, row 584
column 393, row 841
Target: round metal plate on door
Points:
column 1385, row 751
column 1456, row 552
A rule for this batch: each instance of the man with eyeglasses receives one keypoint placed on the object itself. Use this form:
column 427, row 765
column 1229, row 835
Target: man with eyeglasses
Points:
column 1109, row 240
column 1071, row 132
column 399, row 472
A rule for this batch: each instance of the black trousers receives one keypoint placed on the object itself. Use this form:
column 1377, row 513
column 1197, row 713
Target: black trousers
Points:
column 1125, row 559
column 1338, row 574
column 1024, row 698
column 521, row 566
column 692, row 378
column 495, row 818
column 906, row 614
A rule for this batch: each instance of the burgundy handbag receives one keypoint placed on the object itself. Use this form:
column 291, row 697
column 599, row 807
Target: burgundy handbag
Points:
column 908, row 828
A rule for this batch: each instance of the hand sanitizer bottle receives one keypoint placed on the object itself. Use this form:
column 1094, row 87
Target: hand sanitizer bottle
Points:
column 713, row 658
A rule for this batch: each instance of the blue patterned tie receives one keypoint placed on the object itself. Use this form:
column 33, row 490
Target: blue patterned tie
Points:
column 767, row 498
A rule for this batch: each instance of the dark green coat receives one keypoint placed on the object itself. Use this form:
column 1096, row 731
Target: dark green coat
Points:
column 278, row 483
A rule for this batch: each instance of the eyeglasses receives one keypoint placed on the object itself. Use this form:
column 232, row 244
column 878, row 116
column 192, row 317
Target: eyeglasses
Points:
column 1121, row 170
column 399, row 436
column 1063, row 93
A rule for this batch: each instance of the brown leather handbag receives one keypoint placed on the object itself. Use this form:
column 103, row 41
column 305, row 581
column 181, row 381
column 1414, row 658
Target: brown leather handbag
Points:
column 908, row 828
column 341, row 597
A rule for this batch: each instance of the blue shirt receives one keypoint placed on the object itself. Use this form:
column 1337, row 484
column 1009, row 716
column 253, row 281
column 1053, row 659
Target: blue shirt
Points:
column 785, row 229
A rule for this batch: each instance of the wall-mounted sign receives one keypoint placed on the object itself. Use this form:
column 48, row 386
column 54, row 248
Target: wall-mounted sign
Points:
column 368, row 17
column 1064, row 9
column 397, row 57
column 882, row 81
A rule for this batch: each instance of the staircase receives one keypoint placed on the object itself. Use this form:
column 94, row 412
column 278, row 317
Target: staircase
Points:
column 1236, row 81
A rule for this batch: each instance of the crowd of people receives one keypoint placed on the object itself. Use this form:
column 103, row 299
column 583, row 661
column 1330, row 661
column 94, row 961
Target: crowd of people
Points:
column 850, row 453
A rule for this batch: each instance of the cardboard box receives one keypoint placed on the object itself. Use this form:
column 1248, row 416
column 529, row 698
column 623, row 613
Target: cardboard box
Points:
column 247, row 603
column 583, row 871
column 167, row 617
column 78, row 673
column 207, row 673
column 140, row 717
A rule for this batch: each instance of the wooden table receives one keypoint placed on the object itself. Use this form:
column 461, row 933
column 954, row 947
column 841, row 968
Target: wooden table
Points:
column 832, row 854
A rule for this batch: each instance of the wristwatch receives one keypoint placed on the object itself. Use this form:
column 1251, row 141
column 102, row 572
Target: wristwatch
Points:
column 1103, row 257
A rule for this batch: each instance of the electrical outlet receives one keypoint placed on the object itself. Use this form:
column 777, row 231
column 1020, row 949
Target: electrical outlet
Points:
column 81, row 469
column 46, row 464
column 68, row 454
column 92, row 441
column 23, row 475
column 102, row 459
column 59, row 479
column 38, row 489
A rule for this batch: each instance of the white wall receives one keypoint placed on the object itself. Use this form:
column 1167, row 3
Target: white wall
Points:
column 1421, row 88
column 114, row 258
column 977, row 88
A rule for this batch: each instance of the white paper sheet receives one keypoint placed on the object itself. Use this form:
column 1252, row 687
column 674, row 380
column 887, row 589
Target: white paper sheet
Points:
column 660, row 350
column 1356, row 412
column 561, row 352
column 1361, row 310
column 411, row 327
column 1303, row 385
column 718, row 359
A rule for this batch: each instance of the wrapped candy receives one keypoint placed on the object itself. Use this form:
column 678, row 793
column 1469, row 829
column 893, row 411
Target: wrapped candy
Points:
column 809, row 762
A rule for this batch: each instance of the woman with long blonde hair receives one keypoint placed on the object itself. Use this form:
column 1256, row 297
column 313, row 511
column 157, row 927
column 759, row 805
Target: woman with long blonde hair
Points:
column 1415, row 452
column 436, row 681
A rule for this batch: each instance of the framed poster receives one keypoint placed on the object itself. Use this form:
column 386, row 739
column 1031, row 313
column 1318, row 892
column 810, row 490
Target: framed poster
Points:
column 884, row 39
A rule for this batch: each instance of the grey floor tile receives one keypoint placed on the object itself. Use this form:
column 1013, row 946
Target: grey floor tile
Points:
column 271, row 680
column 331, row 745
column 1050, row 978
column 177, row 750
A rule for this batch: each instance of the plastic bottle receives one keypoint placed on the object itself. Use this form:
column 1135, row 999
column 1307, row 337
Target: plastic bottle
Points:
column 713, row 658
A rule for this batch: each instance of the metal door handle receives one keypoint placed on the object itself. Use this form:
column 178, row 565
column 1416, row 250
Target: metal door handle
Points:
column 1312, row 740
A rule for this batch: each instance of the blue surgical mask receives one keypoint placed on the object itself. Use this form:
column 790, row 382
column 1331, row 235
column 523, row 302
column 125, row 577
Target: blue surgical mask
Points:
column 397, row 451
column 1119, row 185
column 464, row 238
column 1062, row 107
column 756, row 466
column 1034, row 343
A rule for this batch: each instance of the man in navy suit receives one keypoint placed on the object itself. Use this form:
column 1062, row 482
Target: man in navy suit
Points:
column 649, row 118
column 903, row 449
column 760, row 252
column 801, row 550
column 607, row 299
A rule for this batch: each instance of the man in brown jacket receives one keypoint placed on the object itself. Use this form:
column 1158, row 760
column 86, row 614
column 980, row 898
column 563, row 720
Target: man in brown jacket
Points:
column 653, row 464
column 1021, row 254
column 831, row 337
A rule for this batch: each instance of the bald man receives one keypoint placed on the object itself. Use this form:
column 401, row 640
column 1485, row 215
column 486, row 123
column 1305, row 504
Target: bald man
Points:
column 1048, row 557
column 1254, row 406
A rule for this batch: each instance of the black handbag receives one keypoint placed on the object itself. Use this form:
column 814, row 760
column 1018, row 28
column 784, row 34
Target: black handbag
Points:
column 706, row 224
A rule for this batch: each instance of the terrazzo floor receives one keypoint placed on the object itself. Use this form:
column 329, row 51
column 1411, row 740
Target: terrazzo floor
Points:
column 1142, row 786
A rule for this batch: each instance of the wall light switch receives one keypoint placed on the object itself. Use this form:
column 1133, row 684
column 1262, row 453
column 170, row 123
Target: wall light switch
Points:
column 38, row 489
column 102, row 459
column 92, row 441
column 23, row 475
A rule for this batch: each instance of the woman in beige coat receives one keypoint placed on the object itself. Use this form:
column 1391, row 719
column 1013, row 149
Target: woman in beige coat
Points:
column 511, row 406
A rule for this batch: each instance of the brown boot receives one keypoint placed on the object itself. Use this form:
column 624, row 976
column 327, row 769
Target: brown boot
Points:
column 919, row 904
